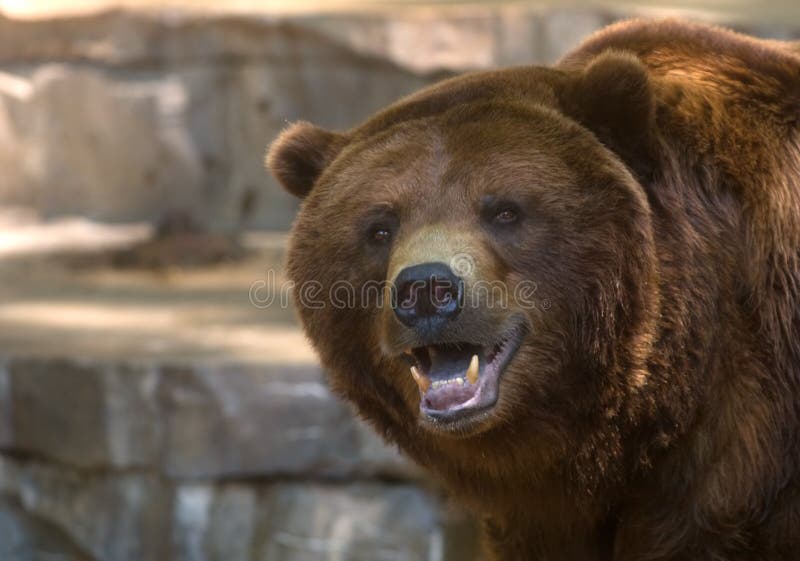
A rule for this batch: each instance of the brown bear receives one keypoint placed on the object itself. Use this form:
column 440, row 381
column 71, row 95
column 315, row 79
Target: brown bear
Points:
column 573, row 293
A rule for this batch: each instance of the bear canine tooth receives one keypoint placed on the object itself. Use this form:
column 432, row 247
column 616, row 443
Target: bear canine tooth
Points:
column 472, row 371
column 422, row 381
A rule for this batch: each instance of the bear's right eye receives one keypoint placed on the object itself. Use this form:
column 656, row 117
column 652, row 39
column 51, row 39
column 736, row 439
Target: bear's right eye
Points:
column 381, row 235
column 500, row 212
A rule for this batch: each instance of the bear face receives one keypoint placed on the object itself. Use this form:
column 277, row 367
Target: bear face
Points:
column 465, row 225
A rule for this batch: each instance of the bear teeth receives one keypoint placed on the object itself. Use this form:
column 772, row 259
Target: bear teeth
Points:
column 472, row 371
column 439, row 383
column 471, row 376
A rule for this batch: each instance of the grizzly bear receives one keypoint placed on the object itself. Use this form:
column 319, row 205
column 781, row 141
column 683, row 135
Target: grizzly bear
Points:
column 572, row 293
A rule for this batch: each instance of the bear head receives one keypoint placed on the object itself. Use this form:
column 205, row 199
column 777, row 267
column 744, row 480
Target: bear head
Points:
column 475, row 264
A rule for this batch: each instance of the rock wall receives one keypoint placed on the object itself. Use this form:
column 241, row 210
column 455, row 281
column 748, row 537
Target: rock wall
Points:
column 140, row 462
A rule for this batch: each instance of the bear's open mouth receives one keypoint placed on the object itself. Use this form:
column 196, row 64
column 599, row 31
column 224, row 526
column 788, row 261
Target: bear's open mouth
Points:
column 457, row 380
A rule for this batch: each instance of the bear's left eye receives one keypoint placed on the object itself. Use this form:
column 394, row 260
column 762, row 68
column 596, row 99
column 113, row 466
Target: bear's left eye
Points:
column 380, row 225
column 506, row 216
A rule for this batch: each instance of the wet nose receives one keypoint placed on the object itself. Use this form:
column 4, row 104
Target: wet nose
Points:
column 428, row 294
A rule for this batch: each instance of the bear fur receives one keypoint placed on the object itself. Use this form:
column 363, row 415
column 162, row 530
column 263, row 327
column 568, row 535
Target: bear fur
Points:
column 651, row 411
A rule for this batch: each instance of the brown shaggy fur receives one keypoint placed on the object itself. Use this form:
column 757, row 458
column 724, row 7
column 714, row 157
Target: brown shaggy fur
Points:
column 652, row 411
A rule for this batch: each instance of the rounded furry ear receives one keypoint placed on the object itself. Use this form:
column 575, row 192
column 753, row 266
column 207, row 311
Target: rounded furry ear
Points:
column 300, row 154
column 613, row 97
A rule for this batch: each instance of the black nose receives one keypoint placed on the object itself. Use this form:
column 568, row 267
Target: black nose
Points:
column 427, row 295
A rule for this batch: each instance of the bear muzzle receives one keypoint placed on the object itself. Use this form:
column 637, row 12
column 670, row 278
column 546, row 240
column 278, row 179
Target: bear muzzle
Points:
column 455, row 330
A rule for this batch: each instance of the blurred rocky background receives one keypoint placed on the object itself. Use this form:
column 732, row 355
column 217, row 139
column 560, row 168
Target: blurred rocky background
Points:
column 157, row 400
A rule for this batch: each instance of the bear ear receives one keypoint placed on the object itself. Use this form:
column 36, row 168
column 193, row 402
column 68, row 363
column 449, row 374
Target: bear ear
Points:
column 614, row 98
column 300, row 154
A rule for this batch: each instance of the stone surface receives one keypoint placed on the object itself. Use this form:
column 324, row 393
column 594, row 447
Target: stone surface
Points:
column 237, row 422
column 563, row 29
column 119, row 516
column 85, row 415
column 209, row 422
column 85, row 515
column 73, row 306
column 198, row 99
column 6, row 415
column 86, row 146
column 365, row 523
column 13, row 91
column 424, row 40
column 318, row 522
column 26, row 538
column 215, row 523
column 23, row 232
